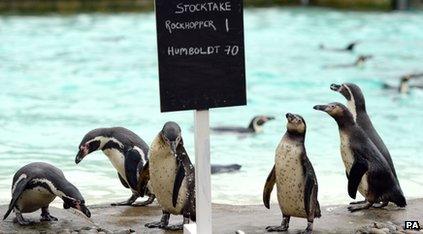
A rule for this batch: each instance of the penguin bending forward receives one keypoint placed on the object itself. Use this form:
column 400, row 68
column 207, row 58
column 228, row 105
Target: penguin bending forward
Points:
column 366, row 168
column 36, row 185
column 294, row 176
column 128, row 154
column 172, row 177
column 357, row 106
column 255, row 126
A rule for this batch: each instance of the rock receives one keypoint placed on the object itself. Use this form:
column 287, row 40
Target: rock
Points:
column 65, row 231
column 376, row 231
column 386, row 230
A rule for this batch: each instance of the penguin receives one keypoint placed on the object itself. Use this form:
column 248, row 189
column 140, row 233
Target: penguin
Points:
column 172, row 177
column 404, row 86
column 128, row 154
column 294, row 177
column 218, row 169
column 358, row 62
column 36, row 185
column 349, row 48
column 255, row 126
column 357, row 106
column 366, row 168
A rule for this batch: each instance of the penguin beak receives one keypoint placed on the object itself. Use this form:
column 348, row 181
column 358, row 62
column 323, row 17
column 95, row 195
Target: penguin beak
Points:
column 173, row 146
column 289, row 117
column 81, row 154
column 335, row 87
column 84, row 210
column 320, row 107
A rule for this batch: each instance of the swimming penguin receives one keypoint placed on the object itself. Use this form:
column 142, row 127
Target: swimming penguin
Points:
column 218, row 169
column 294, row 176
column 358, row 62
column 405, row 86
column 36, row 185
column 349, row 48
column 255, row 126
column 366, row 168
column 172, row 177
column 128, row 154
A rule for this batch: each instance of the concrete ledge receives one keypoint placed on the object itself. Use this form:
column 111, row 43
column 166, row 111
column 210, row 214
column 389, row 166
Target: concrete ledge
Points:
column 226, row 219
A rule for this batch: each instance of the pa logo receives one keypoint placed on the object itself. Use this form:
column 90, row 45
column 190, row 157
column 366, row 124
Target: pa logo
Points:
column 414, row 225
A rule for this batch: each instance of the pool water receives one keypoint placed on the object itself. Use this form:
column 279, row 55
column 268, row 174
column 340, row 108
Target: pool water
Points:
column 62, row 76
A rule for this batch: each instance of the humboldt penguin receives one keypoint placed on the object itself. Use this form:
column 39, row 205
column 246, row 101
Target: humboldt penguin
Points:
column 128, row 154
column 405, row 86
column 36, row 185
column 255, row 126
column 349, row 48
column 357, row 106
column 218, row 169
column 358, row 62
column 172, row 177
column 366, row 168
column 294, row 176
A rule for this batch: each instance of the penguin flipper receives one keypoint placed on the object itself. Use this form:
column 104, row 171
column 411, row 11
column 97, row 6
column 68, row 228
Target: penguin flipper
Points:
column 19, row 188
column 143, row 178
column 180, row 174
column 123, row 181
column 358, row 169
column 132, row 158
column 311, row 204
column 268, row 187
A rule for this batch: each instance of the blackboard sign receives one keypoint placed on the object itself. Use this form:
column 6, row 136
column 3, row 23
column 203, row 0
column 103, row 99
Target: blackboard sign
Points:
column 201, row 54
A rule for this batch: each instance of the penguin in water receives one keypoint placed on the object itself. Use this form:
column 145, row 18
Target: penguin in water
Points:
column 349, row 48
column 405, row 86
column 294, row 176
column 366, row 168
column 128, row 154
column 255, row 126
column 358, row 62
column 36, row 185
column 172, row 177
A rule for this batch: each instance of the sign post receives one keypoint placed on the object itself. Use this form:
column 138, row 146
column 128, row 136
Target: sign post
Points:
column 201, row 66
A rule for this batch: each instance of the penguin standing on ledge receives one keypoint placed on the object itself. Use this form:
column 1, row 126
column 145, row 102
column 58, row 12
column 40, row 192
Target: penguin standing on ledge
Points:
column 294, row 176
column 366, row 168
column 172, row 177
column 128, row 154
column 36, row 185
column 255, row 126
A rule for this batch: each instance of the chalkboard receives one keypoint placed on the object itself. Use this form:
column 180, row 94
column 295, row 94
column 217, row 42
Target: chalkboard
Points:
column 201, row 54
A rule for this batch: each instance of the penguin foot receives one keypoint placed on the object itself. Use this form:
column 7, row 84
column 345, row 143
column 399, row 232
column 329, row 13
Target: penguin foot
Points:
column 307, row 231
column 277, row 228
column 48, row 217
column 159, row 224
column 358, row 202
column 125, row 203
column 176, row 227
column 380, row 205
column 145, row 203
column 354, row 208
column 22, row 221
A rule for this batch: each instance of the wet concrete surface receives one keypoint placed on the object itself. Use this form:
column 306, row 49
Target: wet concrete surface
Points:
column 226, row 219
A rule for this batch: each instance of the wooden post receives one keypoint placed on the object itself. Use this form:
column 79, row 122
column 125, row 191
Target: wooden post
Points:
column 202, row 174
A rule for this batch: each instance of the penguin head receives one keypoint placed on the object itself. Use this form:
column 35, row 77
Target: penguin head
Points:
column 171, row 135
column 72, row 198
column 295, row 124
column 352, row 93
column 90, row 143
column 362, row 59
column 336, row 110
column 257, row 122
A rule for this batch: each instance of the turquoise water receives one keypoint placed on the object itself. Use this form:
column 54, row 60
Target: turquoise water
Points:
column 62, row 76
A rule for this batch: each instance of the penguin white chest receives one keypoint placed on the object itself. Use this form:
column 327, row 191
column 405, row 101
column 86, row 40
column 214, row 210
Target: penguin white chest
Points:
column 163, row 170
column 118, row 161
column 34, row 199
column 290, row 178
column 348, row 159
